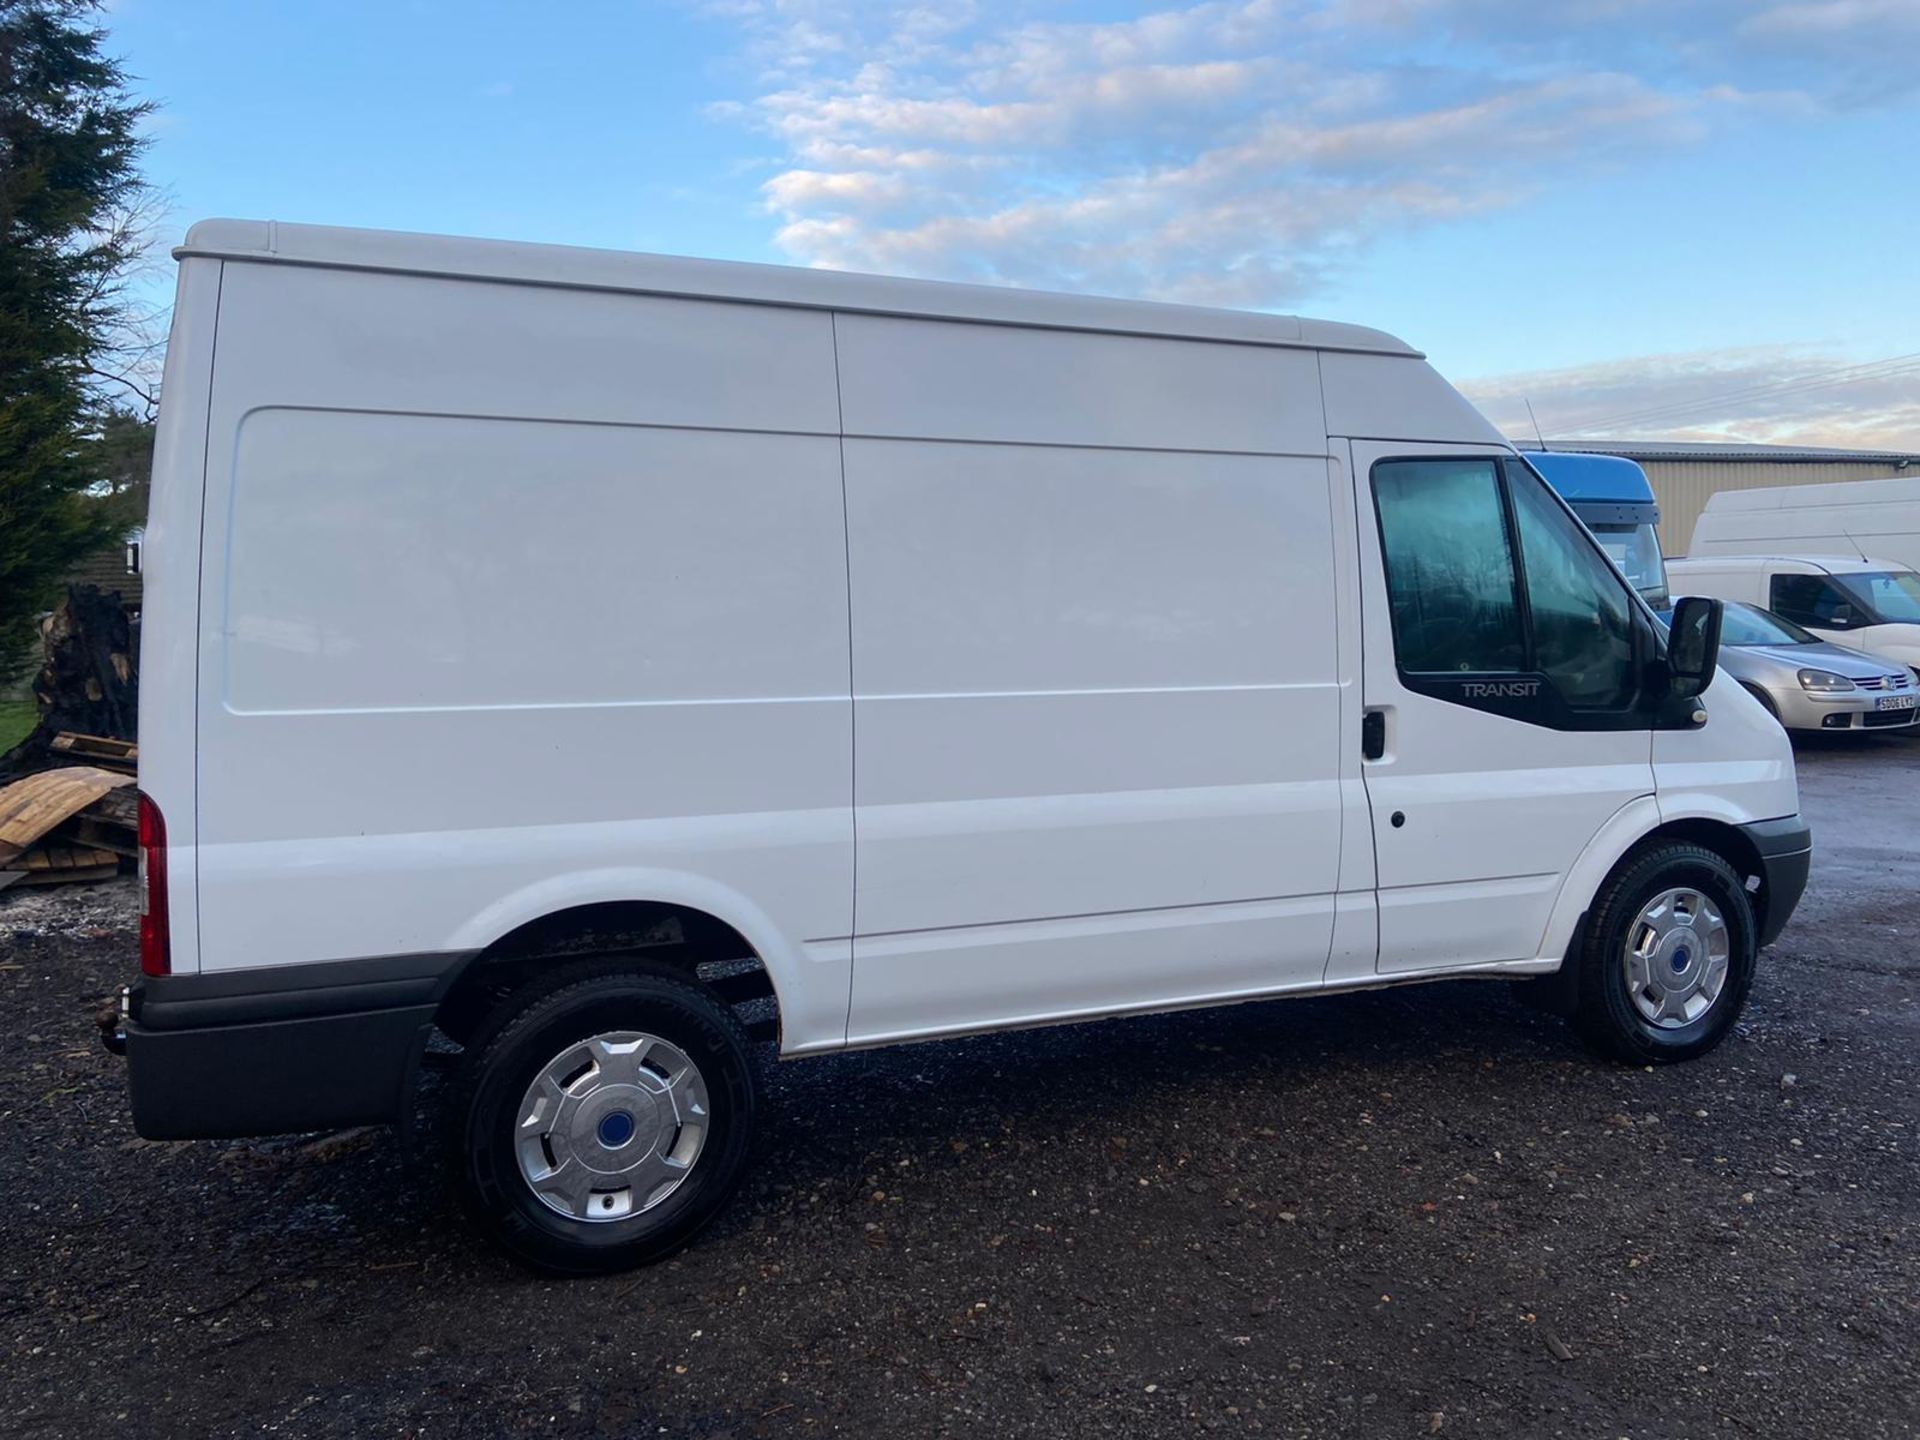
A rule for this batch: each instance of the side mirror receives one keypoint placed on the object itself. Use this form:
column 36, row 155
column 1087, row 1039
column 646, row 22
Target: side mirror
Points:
column 1841, row 618
column 1693, row 645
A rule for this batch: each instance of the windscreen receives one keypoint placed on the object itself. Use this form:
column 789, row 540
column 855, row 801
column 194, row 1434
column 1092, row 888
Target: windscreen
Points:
column 1635, row 549
column 1888, row 595
column 1750, row 625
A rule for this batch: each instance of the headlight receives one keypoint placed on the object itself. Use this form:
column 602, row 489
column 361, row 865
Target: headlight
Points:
column 1824, row 680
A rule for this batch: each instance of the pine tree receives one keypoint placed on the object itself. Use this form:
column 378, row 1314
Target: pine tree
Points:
column 69, row 143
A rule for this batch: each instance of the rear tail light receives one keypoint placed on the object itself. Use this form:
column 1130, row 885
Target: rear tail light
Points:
column 155, row 956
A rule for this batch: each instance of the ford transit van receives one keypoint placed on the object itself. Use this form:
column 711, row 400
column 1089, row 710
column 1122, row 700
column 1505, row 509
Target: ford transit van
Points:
column 599, row 661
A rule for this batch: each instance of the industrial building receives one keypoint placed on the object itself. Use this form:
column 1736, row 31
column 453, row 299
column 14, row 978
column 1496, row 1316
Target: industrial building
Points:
column 1685, row 473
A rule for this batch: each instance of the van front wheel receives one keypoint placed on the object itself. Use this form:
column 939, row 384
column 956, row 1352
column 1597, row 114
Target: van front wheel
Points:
column 606, row 1119
column 1668, row 957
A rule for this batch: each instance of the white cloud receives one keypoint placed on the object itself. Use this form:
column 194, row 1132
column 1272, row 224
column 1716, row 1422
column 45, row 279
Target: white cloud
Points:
column 1210, row 198
column 1242, row 151
column 1785, row 395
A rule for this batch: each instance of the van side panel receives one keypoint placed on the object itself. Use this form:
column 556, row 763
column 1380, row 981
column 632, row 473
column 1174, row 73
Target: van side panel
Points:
column 491, row 539
column 1880, row 517
column 1382, row 397
column 1744, row 580
column 1062, row 713
column 934, row 380
column 519, row 598
column 170, row 605
column 1095, row 671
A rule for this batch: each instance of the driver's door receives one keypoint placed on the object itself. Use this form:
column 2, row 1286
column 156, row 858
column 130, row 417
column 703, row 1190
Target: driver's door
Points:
column 1503, row 659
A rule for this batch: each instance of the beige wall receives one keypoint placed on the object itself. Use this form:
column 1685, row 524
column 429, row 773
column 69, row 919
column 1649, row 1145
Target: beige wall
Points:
column 1682, row 486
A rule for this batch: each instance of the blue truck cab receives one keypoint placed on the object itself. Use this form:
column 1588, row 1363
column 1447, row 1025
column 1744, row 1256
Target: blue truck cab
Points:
column 1615, row 500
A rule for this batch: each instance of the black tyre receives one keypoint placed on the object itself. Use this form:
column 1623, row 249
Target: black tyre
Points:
column 1668, row 956
column 604, row 1118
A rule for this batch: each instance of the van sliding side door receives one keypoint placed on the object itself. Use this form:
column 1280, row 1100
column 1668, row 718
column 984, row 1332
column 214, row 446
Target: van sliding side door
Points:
column 1499, row 677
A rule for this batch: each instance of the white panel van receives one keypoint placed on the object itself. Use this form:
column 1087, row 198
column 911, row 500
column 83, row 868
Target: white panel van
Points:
column 1851, row 517
column 1868, row 604
column 600, row 660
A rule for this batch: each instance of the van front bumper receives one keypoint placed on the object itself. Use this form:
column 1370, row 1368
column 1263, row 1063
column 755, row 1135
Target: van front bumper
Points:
column 275, row 1051
column 1785, row 848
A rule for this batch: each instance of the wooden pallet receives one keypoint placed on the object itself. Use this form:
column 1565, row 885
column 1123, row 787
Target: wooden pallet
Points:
column 66, row 865
column 120, row 808
column 99, row 749
column 84, row 830
column 32, row 808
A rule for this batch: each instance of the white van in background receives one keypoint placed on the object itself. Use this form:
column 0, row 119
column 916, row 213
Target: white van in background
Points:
column 1852, row 517
column 598, row 657
column 1871, row 605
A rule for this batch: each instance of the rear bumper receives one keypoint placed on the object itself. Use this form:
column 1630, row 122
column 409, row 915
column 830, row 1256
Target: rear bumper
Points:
column 1785, row 848
column 275, row 1077
column 273, row 1051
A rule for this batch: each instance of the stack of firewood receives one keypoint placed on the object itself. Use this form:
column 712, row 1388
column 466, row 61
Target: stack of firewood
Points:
column 87, row 685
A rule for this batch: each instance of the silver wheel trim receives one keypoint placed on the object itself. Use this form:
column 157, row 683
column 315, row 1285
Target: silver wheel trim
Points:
column 611, row 1126
column 1677, row 956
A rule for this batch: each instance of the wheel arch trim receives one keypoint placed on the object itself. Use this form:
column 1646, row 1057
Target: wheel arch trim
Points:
column 1623, row 830
column 1644, row 818
column 811, row 979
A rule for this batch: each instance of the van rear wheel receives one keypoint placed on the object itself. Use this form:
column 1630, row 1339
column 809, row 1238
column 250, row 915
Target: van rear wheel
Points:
column 605, row 1119
column 1668, row 957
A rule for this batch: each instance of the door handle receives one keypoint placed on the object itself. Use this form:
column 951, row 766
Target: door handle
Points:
column 1373, row 735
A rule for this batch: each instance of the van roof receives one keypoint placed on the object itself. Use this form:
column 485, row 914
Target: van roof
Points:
column 1893, row 490
column 1832, row 564
column 576, row 268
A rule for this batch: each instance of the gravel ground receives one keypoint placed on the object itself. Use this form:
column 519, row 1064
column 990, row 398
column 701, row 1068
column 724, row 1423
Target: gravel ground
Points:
column 1416, row 1212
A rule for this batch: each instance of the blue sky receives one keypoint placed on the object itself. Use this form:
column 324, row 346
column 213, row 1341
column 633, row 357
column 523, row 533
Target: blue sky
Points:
column 1627, row 211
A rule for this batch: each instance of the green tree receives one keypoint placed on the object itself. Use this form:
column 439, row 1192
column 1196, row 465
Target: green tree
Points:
column 122, row 462
column 69, row 143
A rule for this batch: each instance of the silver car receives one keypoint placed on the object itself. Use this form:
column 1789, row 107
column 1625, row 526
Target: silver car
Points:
column 1809, row 684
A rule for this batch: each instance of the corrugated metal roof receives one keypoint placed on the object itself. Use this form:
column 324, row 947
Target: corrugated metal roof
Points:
column 1729, row 450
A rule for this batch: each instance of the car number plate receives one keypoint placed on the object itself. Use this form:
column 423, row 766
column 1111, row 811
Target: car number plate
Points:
column 1897, row 702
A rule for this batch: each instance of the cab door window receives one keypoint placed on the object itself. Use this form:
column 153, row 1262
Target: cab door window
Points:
column 1582, row 622
column 1811, row 600
column 1499, row 598
column 1451, row 583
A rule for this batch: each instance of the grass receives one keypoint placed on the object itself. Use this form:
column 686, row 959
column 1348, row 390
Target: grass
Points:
column 17, row 719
